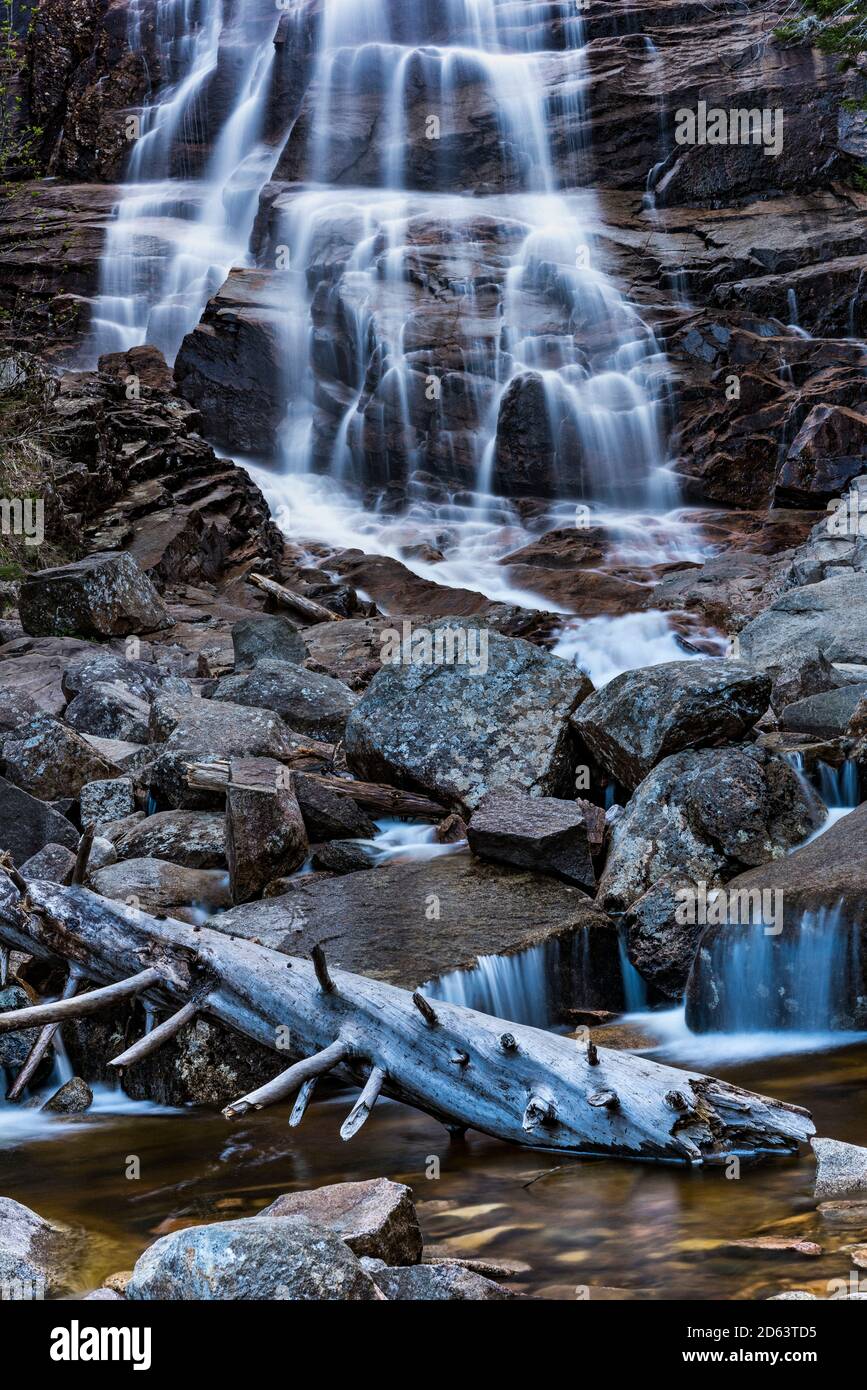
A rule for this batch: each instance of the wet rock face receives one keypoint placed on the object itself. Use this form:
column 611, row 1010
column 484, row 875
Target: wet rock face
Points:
column 827, row 454
column 642, row 716
column 82, row 81
column 101, row 596
column 256, row 1258
column 706, row 814
column 458, row 732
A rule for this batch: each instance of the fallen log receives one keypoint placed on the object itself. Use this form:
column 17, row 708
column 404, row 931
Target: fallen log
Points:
column 311, row 610
column 464, row 1068
column 374, row 796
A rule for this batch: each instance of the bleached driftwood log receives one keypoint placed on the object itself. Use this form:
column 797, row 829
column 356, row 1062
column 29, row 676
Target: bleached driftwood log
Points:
column 468, row 1070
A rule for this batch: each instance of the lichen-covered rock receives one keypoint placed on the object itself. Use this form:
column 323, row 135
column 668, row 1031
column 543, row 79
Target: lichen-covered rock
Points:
column 256, row 1258
column 707, row 815
column 72, row 1098
column 194, row 838
column 439, row 1283
column 534, row 832
column 109, row 710
column 458, row 732
column 642, row 716
column 208, row 731
column 311, row 703
column 104, row 801
column 104, row 595
column 269, row 637
column 375, row 1218
column 841, row 1171
column 660, row 947
column 50, row 760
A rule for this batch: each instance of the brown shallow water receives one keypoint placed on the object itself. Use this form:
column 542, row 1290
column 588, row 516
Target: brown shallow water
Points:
column 636, row 1230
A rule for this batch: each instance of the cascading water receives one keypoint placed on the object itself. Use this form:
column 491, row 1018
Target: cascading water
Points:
column 534, row 320
column 174, row 238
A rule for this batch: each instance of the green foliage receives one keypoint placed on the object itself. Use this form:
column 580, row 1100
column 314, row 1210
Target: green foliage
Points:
column 834, row 26
column 20, row 139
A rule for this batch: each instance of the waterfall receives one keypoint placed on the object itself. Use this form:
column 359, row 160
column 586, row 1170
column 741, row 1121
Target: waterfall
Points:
column 186, row 216
column 516, row 987
column 174, row 237
column 806, row 980
column 839, row 787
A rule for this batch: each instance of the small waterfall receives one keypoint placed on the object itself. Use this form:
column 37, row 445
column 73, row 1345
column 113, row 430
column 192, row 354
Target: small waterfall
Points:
column 516, row 987
column 634, row 986
column 839, row 786
column 806, row 980
column 173, row 240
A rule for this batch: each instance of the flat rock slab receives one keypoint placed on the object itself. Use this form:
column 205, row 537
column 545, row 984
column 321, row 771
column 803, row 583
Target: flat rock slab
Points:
column 375, row 1218
column 409, row 923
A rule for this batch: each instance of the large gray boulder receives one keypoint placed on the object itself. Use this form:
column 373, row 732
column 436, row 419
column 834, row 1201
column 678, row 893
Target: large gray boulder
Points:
column 27, row 824
column 210, row 731
column 313, row 704
column 255, row 1258
column 829, row 618
column 109, row 710
column 104, row 595
column 459, row 732
column 266, row 636
column 50, row 760
column 37, row 1259
column 194, row 838
column 164, row 889
column 642, row 716
column 54, row 863
column 375, row 1218
column 707, row 815
column 100, row 666
column 534, row 832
